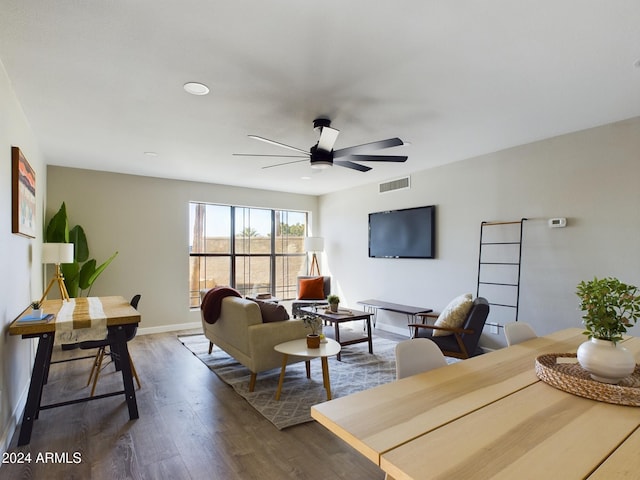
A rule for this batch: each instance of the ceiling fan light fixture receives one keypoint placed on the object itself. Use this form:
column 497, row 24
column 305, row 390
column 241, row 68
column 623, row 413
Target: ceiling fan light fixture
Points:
column 320, row 159
column 321, row 164
column 322, row 155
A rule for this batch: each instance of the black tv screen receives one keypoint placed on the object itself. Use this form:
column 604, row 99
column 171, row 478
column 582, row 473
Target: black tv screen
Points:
column 406, row 233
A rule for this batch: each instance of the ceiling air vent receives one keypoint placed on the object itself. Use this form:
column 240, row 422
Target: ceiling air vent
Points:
column 392, row 185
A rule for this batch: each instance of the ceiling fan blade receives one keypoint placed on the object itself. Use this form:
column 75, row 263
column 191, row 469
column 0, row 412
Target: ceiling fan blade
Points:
column 390, row 142
column 278, row 144
column 328, row 137
column 379, row 158
column 262, row 155
column 354, row 166
column 285, row 163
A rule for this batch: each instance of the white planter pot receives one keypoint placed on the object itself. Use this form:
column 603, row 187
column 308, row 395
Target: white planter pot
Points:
column 37, row 313
column 605, row 361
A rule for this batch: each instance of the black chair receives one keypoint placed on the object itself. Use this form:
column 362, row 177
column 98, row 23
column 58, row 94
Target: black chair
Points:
column 130, row 332
column 463, row 343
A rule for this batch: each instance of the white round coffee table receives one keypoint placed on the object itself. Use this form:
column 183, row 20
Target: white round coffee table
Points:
column 298, row 348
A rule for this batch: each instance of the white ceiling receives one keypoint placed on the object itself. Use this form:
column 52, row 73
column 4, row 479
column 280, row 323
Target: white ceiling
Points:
column 101, row 81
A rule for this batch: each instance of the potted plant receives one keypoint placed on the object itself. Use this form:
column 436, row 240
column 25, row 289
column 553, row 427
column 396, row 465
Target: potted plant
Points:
column 333, row 301
column 610, row 307
column 315, row 325
column 36, row 308
column 83, row 272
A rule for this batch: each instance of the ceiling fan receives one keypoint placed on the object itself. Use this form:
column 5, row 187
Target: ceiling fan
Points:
column 322, row 155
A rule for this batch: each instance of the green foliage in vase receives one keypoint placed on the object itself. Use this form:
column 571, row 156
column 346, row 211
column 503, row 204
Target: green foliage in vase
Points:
column 313, row 323
column 610, row 307
column 333, row 299
column 83, row 272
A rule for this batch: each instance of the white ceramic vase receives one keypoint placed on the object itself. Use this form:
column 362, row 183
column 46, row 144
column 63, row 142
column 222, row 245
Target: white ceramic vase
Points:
column 605, row 361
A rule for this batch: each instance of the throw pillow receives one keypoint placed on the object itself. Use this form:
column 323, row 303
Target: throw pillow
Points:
column 272, row 312
column 454, row 314
column 311, row 289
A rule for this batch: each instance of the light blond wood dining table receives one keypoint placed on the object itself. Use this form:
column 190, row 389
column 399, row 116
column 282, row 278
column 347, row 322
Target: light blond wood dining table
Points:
column 490, row 417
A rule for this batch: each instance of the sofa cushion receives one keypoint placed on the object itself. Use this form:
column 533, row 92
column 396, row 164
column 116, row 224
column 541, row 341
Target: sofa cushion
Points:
column 272, row 312
column 311, row 289
column 454, row 314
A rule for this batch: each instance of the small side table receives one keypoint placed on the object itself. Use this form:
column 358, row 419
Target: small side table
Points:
column 298, row 348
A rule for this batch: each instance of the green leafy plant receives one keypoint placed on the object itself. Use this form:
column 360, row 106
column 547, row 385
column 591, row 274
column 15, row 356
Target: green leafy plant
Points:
column 610, row 307
column 312, row 323
column 333, row 299
column 83, row 272
column 36, row 305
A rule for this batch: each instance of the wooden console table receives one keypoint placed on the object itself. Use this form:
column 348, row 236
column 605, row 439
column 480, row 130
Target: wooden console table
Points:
column 118, row 313
column 373, row 306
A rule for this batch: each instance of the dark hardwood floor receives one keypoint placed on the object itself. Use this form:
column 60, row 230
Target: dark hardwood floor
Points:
column 191, row 426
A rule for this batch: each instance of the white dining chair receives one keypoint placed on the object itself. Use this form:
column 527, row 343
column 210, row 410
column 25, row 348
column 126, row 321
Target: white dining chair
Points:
column 417, row 355
column 517, row 332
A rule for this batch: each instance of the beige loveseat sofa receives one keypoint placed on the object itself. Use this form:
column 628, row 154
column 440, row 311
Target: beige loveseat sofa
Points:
column 240, row 331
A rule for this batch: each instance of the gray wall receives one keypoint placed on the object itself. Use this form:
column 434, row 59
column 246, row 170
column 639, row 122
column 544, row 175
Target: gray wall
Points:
column 146, row 221
column 589, row 177
column 21, row 278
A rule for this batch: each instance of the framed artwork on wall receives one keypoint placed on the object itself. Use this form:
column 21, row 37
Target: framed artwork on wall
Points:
column 23, row 195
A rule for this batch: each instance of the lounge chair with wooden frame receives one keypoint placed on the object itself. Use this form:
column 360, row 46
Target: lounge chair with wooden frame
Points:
column 463, row 343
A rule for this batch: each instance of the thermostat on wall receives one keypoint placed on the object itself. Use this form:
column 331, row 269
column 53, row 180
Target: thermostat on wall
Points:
column 557, row 222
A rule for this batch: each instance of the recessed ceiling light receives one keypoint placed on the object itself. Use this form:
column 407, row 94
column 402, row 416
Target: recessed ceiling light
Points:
column 195, row 88
column 151, row 154
column 305, row 178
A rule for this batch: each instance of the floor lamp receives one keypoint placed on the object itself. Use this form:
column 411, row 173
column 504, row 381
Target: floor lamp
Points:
column 57, row 253
column 313, row 245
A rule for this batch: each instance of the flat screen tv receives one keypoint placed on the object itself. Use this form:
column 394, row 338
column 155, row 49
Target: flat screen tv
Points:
column 406, row 233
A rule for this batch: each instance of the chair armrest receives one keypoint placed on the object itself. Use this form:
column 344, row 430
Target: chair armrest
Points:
column 447, row 329
column 426, row 316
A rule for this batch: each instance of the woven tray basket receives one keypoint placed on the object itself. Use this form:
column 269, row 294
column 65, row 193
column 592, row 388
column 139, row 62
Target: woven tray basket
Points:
column 572, row 378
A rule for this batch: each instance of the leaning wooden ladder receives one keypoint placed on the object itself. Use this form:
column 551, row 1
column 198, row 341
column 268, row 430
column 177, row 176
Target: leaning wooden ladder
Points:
column 492, row 271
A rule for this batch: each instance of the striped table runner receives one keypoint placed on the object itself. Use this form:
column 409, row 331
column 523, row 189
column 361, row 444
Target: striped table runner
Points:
column 80, row 320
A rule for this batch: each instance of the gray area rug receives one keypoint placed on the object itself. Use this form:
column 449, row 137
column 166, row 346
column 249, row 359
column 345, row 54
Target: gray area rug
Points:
column 358, row 370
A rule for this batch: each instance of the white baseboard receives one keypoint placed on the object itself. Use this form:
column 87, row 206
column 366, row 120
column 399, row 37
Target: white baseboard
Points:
column 14, row 421
column 393, row 329
column 169, row 328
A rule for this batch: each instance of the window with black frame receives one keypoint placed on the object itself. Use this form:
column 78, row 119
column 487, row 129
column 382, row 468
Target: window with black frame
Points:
column 254, row 250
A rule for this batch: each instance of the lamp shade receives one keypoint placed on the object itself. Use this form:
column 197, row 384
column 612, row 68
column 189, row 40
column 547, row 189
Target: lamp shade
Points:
column 313, row 244
column 57, row 253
